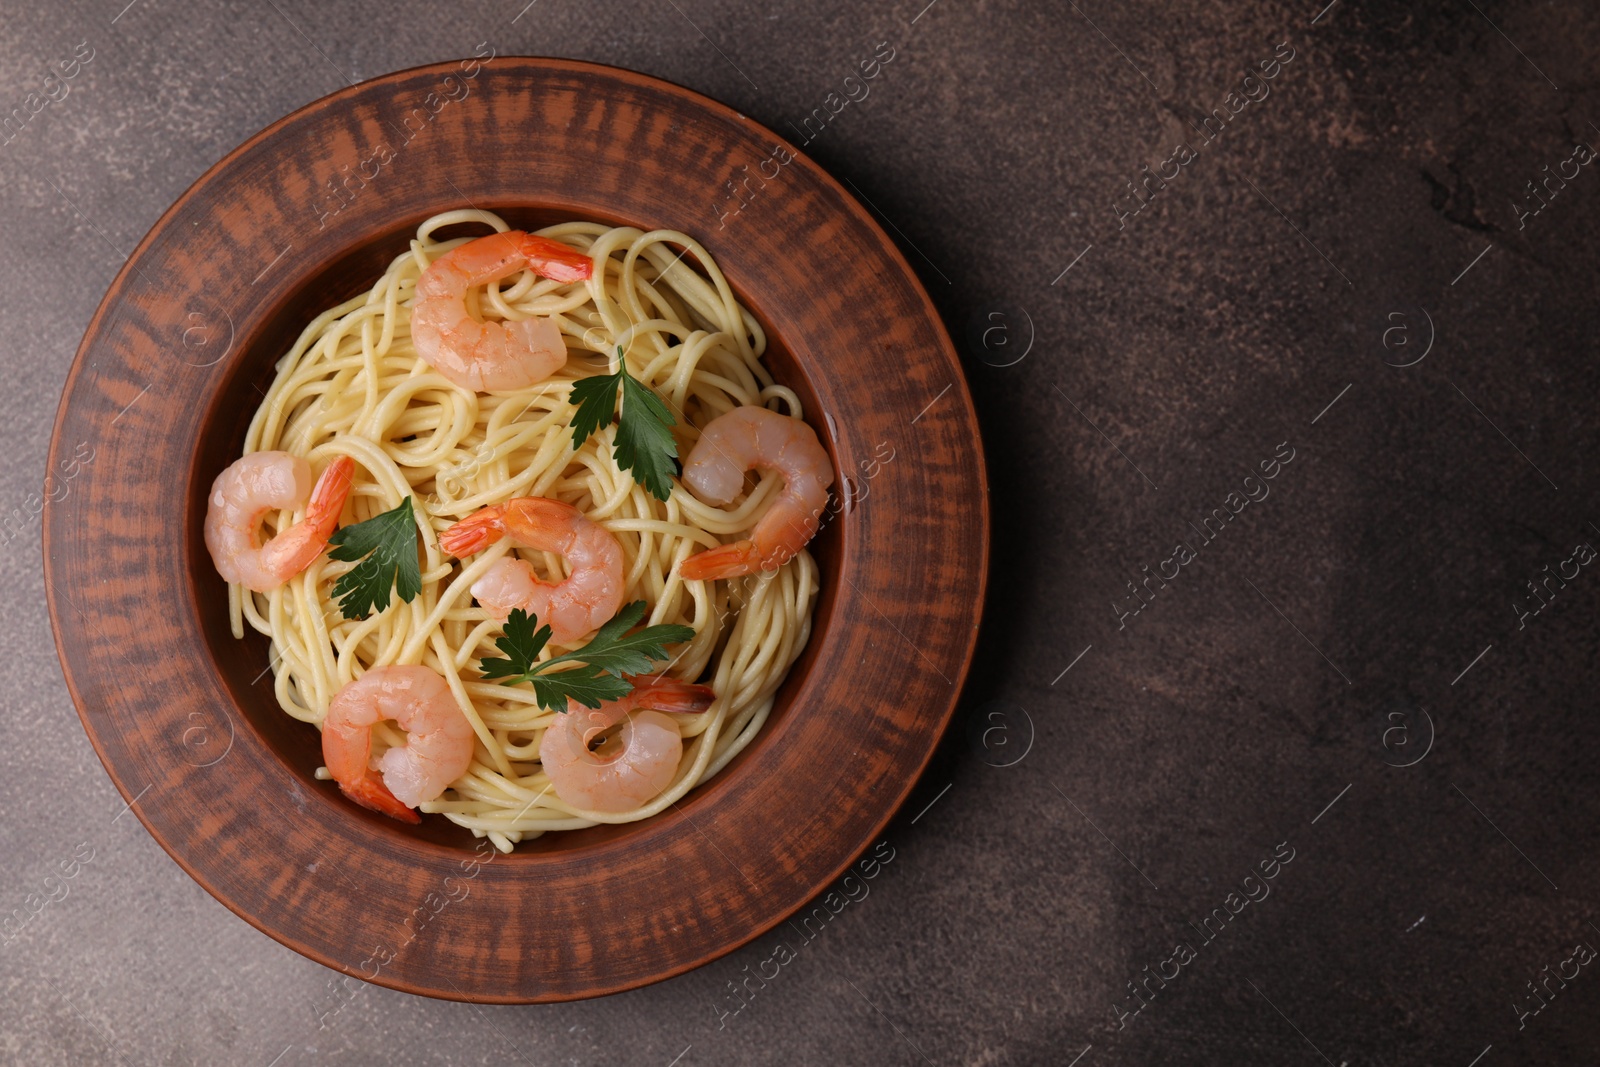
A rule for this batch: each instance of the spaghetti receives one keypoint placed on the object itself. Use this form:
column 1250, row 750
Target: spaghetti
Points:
column 353, row 385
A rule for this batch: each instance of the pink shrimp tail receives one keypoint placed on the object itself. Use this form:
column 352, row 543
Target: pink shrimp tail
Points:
column 554, row 260
column 474, row 533
column 726, row 561
column 328, row 496
column 292, row 551
column 370, row 792
column 660, row 693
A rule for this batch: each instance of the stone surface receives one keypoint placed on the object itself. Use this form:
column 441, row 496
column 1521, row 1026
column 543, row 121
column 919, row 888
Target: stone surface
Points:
column 1260, row 703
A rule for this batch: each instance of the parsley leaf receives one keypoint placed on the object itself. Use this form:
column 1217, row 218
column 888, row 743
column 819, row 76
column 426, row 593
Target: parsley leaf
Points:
column 521, row 644
column 644, row 443
column 618, row 652
column 610, row 655
column 389, row 543
column 596, row 400
column 589, row 689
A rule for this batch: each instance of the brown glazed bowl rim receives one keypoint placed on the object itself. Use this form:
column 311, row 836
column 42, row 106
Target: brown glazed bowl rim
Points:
column 135, row 622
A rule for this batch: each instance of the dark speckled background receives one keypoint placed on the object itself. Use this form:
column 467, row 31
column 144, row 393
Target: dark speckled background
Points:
column 1344, row 674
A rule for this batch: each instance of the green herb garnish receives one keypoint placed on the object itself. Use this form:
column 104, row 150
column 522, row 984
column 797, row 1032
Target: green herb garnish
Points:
column 389, row 543
column 644, row 443
column 612, row 654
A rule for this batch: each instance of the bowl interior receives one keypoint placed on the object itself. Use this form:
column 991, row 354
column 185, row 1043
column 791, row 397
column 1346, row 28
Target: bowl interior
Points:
column 241, row 663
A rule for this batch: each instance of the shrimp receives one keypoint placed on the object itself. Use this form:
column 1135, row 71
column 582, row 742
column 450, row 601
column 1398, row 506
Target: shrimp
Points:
column 491, row 355
column 733, row 443
column 592, row 592
column 253, row 485
column 437, row 751
column 628, row 770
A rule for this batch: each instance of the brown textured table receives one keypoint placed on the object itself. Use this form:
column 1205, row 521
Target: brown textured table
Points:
column 1316, row 787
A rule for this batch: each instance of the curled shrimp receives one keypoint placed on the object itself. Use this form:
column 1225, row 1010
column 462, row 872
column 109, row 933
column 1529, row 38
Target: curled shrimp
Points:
column 438, row 746
column 253, row 485
column 628, row 770
column 740, row 440
column 593, row 590
column 491, row 355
